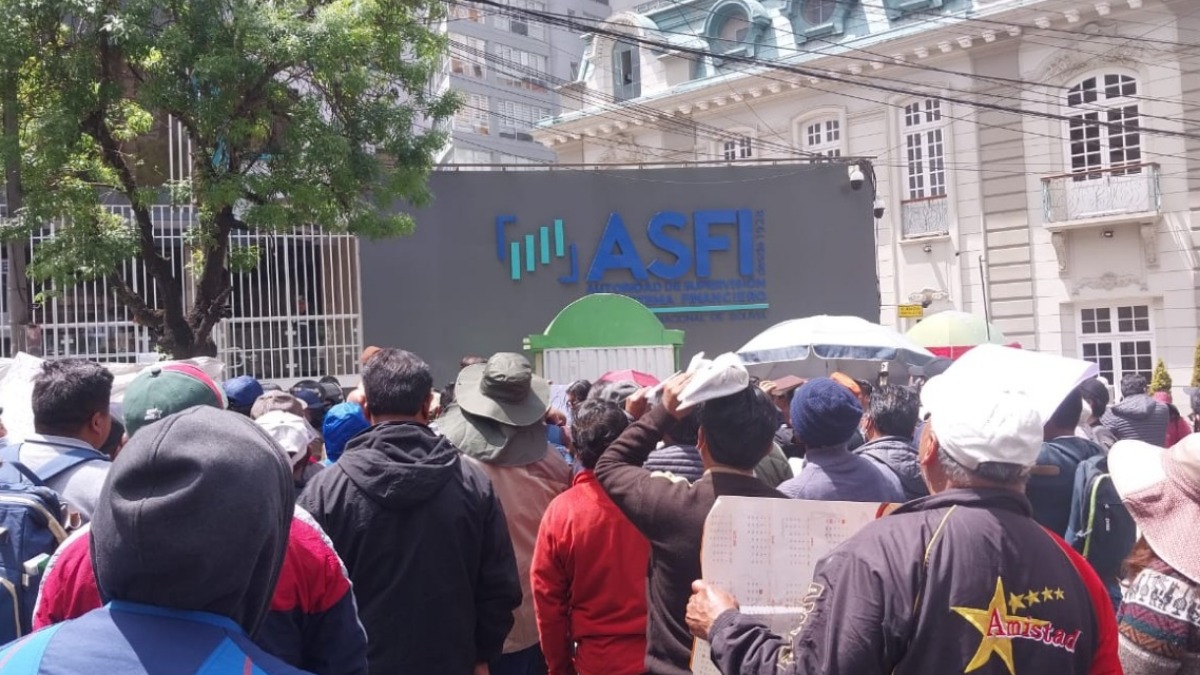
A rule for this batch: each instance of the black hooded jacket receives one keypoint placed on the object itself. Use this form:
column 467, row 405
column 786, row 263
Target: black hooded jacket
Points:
column 424, row 539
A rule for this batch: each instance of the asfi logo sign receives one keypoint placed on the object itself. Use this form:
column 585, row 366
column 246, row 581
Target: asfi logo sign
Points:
column 672, row 272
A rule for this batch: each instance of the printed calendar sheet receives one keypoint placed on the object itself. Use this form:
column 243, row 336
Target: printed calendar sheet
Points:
column 764, row 550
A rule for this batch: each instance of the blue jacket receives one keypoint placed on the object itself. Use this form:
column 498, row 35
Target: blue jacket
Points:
column 132, row 639
column 900, row 457
column 1052, row 488
column 837, row 475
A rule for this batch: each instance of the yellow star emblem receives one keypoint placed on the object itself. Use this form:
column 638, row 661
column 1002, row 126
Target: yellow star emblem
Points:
column 995, row 624
column 1032, row 599
column 1058, row 593
column 1016, row 602
column 1047, row 594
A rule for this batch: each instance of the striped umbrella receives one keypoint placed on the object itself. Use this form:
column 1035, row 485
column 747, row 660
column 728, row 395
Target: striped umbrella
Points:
column 951, row 334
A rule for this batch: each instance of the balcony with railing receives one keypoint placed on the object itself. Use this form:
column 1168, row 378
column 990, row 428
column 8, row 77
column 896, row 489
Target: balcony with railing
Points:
column 1126, row 194
column 925, row 217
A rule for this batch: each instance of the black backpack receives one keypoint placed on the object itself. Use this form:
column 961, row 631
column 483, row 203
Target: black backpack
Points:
column 1101, row 528
column 33, row 522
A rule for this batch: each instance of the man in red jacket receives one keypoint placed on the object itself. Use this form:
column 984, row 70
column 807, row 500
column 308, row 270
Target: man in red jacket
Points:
column 589, row 566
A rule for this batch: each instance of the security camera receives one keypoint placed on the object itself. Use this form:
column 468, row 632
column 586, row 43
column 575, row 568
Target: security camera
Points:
column 878, row 208
column 856, row 177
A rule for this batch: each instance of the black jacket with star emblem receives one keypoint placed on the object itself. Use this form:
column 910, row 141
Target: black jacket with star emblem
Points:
column 962, row 581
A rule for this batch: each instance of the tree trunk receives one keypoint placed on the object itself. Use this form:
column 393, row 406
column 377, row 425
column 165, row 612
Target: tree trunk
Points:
column 18, row 300
column 213, row 287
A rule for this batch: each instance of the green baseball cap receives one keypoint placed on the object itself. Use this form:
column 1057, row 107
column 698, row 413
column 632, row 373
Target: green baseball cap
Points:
column 160, row 391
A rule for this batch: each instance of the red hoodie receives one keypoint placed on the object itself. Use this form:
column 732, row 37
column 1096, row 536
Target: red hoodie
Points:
column 589, row 584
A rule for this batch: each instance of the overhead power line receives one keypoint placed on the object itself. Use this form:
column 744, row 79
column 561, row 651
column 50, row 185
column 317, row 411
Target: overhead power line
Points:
column 862, row 81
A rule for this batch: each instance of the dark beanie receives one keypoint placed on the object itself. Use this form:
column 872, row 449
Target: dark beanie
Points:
column 825, row 413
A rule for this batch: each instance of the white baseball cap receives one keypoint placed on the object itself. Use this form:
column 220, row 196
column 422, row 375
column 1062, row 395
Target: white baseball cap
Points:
column 991, row 404
column 976, row 421
column 713, row 379
column 291, row 432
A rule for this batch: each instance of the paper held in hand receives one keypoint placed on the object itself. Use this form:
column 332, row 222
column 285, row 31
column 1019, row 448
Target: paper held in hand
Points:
column 764, row 551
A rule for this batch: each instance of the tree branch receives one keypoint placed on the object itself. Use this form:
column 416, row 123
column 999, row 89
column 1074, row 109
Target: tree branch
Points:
column 143, row 314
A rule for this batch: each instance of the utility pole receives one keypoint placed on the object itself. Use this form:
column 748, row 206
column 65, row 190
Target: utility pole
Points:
column 18, row 300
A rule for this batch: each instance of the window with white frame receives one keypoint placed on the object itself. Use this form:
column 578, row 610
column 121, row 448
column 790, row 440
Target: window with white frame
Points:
column 823, row 137
column 519, row 68
column 1118, row 340
column 1102, row 130
column 626, row 71
column 521, row 116
column 520, row 23
column 463, row 11
column 925, row 149
column 474, row 115
column 741, row 147
column 468, row 56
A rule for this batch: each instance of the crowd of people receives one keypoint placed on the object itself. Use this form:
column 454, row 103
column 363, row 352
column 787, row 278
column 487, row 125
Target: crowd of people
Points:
column 480, row 530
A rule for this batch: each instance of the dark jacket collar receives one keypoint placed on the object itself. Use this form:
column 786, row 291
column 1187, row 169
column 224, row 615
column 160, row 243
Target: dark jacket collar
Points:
column 977, row 498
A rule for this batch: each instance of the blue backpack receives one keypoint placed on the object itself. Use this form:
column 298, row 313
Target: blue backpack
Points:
column 33, row 522
column 1101, row 528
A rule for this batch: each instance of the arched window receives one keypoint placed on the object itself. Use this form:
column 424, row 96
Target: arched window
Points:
column 736, row 26
column 626, row 71
column 822, row 136
column 733, row 27
column 1102, row 132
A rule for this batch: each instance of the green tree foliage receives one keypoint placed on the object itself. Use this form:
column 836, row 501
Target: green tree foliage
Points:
column 1161, row 379
column 300, row 113
column 1196, row 367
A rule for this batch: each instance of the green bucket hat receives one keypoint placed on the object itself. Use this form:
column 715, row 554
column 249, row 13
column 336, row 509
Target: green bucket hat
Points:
column 490, row 441
column 504, row 390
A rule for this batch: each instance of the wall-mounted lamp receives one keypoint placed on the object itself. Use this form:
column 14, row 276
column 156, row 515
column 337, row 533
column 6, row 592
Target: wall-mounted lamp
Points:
column 1107, row 234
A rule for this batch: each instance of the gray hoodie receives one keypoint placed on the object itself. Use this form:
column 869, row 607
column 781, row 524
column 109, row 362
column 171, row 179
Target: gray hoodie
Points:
column 195, row 515
column 1138, row 418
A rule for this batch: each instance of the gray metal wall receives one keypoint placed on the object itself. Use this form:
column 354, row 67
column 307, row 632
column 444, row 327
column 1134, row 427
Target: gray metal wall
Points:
column 445, row 291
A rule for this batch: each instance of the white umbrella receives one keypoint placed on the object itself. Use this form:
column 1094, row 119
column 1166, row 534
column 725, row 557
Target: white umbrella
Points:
column 832, row 338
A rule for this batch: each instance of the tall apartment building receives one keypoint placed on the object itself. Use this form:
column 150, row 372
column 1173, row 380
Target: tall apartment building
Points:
column 507, row 67
column 1038, row 160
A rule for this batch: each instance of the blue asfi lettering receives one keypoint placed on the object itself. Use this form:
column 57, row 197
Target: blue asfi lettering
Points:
column 616, row 251
column 706, row 242
column 656, row 231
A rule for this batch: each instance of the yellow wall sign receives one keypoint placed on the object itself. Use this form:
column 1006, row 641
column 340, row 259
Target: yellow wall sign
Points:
column 910, row 311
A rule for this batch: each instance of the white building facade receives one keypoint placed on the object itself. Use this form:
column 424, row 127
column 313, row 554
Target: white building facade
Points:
column 1037, row 160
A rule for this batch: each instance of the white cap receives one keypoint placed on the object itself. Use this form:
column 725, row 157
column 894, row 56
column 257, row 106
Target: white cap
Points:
column 990, row 405
column 291, row 432
column 976, row 421
column 713, row 379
